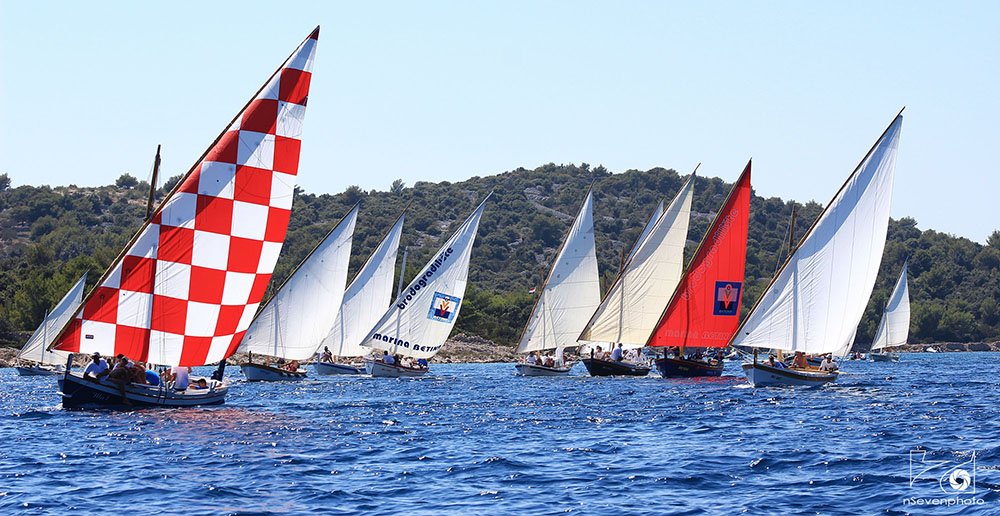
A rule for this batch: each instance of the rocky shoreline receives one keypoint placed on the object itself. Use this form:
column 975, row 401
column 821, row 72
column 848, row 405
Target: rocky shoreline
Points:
column 472, row 349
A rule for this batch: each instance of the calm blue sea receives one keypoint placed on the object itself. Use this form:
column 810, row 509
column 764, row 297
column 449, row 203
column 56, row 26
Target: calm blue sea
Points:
column 475, row 439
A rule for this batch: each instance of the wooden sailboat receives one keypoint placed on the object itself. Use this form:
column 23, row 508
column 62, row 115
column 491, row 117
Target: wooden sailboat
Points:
column 704, row 310
column 816, row 300
column 45, row 362
column 423, row 314
column 292, row 324
column 571, row 292
column 894, row 328
column 365, row 299
column 633, row 304
column 185, row 288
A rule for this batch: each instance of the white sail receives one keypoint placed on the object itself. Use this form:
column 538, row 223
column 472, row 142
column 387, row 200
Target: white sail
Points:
column 35, row 349
column 421, row 318
column 634, row 303
column 894, row 328
column 366, row 298
column 815, row 302
column 572, row 290
column 657, row 213
column 293, row 324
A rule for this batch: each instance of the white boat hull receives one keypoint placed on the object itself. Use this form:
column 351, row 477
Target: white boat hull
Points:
column 39, row 370
column 333, row 369
column 538, row 370
column 760, row 375
column 80, row 393
column 263, row 373
column 383, row 370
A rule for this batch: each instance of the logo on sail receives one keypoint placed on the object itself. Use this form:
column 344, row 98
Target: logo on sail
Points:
column 727, row 298
column 443, row 308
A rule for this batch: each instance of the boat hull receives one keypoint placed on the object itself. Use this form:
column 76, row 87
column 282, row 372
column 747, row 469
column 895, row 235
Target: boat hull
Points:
column 263, row 373
column 80, row 393
column 538, row 370
column 883, row 357
column 383, row 370
column 760, row 375
column 36, row 370
column 332, row 369
column 598, row 367
column 682, row 368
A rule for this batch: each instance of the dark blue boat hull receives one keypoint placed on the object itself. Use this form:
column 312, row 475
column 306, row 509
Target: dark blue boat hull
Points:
column 680, row 368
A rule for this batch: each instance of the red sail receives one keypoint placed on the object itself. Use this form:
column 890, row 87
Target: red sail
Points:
column 186, row 288
column 705, row 309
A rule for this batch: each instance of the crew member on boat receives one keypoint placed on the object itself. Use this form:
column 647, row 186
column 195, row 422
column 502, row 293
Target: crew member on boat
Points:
column 387, row 358
column 800, row 362
column 327, row 355
column 828, row 364
column 616, row 355
column 532, row 359
column 97, row 368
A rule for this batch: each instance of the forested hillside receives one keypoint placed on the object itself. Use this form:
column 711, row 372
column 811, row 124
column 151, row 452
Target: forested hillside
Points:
column 50, row 236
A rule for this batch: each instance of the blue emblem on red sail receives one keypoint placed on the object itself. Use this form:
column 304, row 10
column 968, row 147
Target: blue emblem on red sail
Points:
column 443, row 308
column 727, row 298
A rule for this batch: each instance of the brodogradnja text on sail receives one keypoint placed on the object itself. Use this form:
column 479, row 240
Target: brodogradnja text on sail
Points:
column 366, row 299
column 186, row 287
column 894, row 328
column 635, row 301
column 817, row 298
column 422, row 316
column 571, row 292
column 294, row 322
column 36, row 349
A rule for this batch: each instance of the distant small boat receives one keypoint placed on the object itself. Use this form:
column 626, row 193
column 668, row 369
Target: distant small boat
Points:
column 294, row 321
column 50, row 363
column 365, row 300
column 421, row 318
column 571, row 292
column 931, row 350
column 633, row 304
column 704, row 310
column 894, row 328
column 815, row 301
column 184, row 289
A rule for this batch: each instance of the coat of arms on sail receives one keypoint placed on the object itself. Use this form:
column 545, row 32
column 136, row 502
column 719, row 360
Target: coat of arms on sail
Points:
column 443, row 307
column 727, row 298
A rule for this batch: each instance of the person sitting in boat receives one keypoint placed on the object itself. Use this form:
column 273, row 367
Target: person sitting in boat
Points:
column 97, row 368
column 771, row 362
column 292, row 366
column 422, row 363
column 550, row 360
column 828, row 364
column 800, row 362
column 387, row 358
column 152, row 378
column 180, row 377
column 120, row 375
column 597, row 354
column 532, row 360
column 616, row 355
column 327, row 356
column 137, row 373
column 199, row 384
column 406, row 362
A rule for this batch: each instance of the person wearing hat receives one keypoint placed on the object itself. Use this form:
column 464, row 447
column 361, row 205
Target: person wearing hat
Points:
column 97, row 368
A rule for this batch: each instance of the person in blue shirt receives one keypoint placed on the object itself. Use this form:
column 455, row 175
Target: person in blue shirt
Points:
column 422, row 363
column 387, row 358
column 152, row 378
column 616, row 355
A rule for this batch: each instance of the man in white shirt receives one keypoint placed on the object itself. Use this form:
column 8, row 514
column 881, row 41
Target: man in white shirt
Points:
column 828, row 364
column 531, row 358
column 96, row 369
column 616, row 355
column 181, row 379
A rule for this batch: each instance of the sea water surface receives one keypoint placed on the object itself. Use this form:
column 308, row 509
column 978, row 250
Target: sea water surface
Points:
column 475, row 439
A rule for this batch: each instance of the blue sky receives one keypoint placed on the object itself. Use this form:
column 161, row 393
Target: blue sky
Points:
column 431, row 91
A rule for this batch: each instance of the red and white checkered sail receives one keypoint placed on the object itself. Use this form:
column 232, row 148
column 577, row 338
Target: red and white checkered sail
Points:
column 188, row 285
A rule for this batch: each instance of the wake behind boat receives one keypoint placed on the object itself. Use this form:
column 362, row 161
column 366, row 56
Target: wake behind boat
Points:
column 177, row 294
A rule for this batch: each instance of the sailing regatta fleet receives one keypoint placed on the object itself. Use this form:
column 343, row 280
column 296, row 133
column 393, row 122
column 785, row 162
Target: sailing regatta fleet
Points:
column 188, row 289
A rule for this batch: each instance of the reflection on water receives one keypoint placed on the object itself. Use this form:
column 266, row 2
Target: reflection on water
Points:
column 481, row 440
